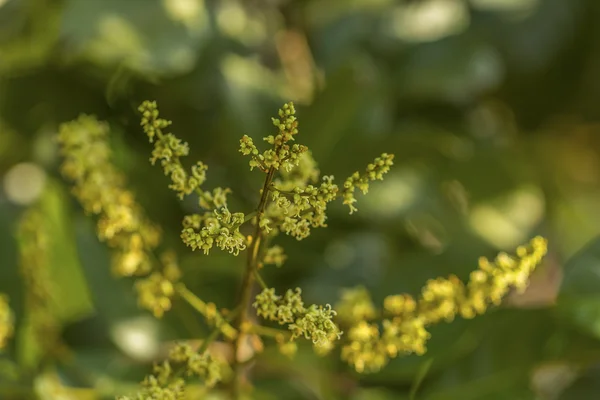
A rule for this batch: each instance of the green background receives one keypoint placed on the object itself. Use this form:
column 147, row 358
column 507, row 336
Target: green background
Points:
column 490, row 106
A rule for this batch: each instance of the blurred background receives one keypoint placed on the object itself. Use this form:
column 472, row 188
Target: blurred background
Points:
column 491, row 107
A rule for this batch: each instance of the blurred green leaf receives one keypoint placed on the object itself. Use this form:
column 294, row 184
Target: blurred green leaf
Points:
column 579, row 298
column 73, row 298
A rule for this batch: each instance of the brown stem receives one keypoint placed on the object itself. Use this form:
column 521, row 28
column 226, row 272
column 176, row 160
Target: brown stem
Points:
column 248, row 280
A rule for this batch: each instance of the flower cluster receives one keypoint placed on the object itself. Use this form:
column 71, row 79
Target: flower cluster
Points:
column 305, row 173
column 314, row 323
column 297, row 205
column 219, row 228
column 100, row 188
column 355, row 305
column 403, row 329
column 293, row 201
column 304, row 208
column 202, row 365
column 169, row 149
column 375, row 171
column 216, row 227
column 274, row 256
column 167, row 383
column 156, row 290
column 6, row 321
column 282, row 155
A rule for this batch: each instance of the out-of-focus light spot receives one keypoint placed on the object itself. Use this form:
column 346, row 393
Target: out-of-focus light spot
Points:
column 394, row 195
column 339, row 254
column 183, row 57
column 429, row 20
column 550, row 380
column 138, row 338
column 116, row 40
column 3, row 2
column 506, row 223
column 191, row 13
column 486, row 68
column 48, row 387
column 24, row 183
column 235, row 22
column 250, row 74
column 231, row 18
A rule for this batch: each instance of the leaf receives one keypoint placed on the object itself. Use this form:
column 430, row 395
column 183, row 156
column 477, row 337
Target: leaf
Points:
column 73, row 298
column 511, row 343
column 579, row 298
column 113, row 298
column 422, row 373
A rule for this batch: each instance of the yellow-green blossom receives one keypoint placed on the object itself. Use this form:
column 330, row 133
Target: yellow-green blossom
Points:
column 355, row 305
column 216, row 227
column 375, row 171
column 314, row 323
column 281, row 155
column 219, row 228
column 403, row 329
column 169, row 149
column 167, row 383
column 274, row 255
column 100, row 188
column 122, row 224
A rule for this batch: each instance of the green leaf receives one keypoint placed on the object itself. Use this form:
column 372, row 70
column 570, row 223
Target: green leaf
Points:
column 579, row 297
column 73, row 298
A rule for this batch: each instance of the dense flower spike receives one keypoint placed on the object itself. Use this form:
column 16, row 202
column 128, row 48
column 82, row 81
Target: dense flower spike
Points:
column 169, row 149
column 403, row 331
column 281, row 156
column 100, row 189
column 375, row 171
column 217, row 227
column 314, row 323
column 167, row 383
column 6, row 321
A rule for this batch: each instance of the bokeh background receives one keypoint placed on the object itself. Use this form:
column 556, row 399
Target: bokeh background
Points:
column 491, row 107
